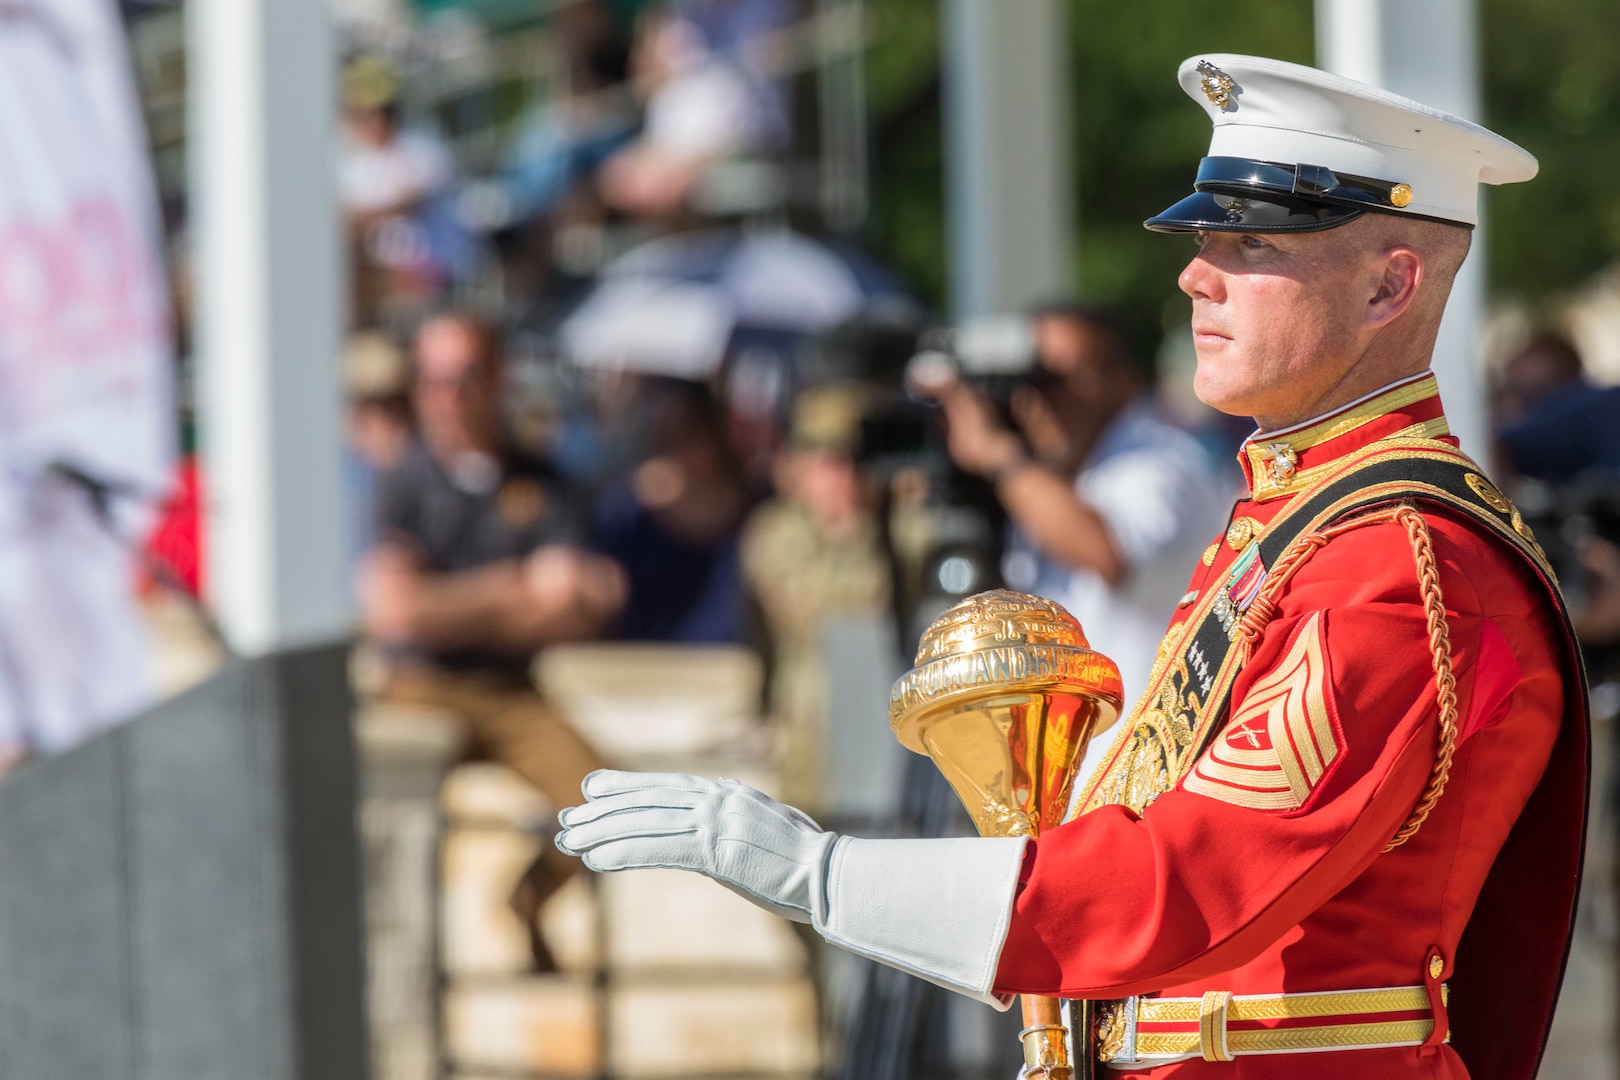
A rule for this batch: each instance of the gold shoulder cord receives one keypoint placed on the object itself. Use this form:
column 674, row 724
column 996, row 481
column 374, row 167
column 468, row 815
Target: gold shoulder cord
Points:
column 1434, row 609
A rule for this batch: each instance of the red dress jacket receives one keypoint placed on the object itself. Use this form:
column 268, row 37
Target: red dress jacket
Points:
column 1216, row 885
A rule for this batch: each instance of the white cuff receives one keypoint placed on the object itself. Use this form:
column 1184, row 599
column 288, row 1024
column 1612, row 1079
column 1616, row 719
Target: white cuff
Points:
column 938, row 909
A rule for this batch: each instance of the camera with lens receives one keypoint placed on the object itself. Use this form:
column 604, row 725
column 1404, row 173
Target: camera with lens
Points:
column 994, row 354
column 1563, row 517
column 902, row 440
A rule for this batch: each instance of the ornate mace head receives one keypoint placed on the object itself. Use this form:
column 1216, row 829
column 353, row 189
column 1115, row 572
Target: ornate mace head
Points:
column 1005, row 696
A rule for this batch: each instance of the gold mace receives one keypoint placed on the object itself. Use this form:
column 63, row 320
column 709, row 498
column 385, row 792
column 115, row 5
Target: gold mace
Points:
column 1005, row 696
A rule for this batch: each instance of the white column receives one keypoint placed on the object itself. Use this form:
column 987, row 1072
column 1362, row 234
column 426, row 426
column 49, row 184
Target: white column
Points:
column 269, row 307
column 1427, row 50
column 1009, row 186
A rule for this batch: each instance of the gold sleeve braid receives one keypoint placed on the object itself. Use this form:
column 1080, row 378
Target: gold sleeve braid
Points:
column 1299, row 552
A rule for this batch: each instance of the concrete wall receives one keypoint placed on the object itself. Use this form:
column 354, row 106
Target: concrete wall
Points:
column 180, row 896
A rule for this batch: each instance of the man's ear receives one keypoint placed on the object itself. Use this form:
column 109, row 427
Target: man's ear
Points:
column 1397, row 285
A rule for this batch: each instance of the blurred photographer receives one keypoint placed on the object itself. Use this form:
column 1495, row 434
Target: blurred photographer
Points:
column 1108, row 503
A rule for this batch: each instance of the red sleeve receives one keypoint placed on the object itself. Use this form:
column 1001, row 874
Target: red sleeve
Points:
column 1255, row 838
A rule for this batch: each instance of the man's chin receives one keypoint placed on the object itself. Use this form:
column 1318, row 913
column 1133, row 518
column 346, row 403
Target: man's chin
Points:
column 1219, row 393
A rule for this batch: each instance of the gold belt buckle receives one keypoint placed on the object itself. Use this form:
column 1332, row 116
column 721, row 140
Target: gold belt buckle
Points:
column 1114, row 1030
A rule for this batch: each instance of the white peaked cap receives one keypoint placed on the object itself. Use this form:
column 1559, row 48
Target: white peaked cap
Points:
column 1354, row 148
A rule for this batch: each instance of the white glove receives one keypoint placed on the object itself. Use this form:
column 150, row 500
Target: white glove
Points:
column 938, row 909
column 772, row 854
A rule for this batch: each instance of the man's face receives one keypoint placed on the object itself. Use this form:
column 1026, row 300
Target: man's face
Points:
column 368, row 126
column 828, row 484
column 1275, row 317
column 1077, row 352
column 455, row 384
column 1535, row 372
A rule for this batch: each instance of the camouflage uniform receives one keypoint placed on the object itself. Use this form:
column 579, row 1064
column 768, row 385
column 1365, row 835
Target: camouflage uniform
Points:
column 800, row 577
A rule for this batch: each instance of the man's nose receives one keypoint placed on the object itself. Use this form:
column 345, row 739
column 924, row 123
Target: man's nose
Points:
column 1200, row 280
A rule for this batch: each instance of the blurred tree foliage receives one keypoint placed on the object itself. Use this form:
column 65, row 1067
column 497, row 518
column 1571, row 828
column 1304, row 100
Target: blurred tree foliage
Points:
column 1551, row 84
column 907, row 224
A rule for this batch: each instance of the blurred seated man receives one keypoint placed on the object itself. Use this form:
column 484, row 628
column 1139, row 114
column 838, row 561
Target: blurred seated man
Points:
column 673, row 524
column 473, row 570
column 814, row 552
column 1113, row 499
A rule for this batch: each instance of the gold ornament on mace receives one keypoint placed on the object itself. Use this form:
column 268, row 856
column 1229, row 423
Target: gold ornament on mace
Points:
column 1005, row 696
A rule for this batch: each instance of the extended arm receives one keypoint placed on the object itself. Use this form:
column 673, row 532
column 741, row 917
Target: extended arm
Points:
column 1114, row 902
column 936, row 908
column 1041, row 502
column 1059, row 522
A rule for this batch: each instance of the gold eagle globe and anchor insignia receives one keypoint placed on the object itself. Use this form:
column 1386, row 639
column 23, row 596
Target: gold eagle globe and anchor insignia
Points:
column 1282, row 462
column 1217, row 85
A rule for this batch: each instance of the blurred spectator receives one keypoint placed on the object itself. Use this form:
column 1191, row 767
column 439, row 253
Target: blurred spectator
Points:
column 377, row 428
column 1552, row 424
column 395, row 189
column 473, row 570
column 1596, row 617
column 673, row 524
column 748, row 35
column 814, row 552
column 565, row 141
column 704, row 103
column 1110, row 502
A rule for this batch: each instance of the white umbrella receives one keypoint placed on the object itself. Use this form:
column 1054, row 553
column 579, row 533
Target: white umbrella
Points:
column 674, row 306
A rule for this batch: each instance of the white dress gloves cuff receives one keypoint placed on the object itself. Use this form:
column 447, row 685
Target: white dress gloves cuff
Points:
column 936, row 908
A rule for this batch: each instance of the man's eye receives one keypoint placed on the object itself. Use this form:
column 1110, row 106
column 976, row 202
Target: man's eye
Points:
column 1253, row 243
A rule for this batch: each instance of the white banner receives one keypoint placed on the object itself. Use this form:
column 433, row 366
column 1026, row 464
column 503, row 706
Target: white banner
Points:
column 85, row 366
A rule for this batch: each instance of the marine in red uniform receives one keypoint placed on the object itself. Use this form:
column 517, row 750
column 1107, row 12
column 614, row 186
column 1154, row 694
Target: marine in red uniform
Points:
column 1264, row 872
column 1340, row 834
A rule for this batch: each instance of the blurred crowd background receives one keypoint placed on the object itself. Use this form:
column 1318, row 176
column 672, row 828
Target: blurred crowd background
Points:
column 693, row 246
column 649, row 372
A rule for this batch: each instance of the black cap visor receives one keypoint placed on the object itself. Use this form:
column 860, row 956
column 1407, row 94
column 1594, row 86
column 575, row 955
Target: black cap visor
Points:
column 1206, row 211
column 1245, row 195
